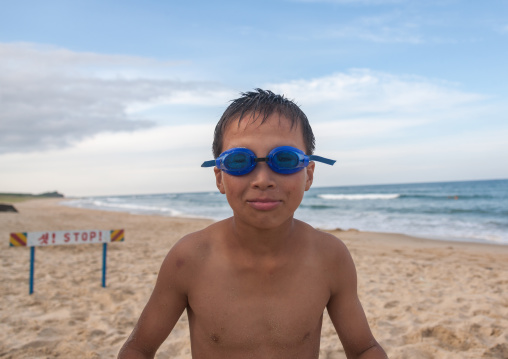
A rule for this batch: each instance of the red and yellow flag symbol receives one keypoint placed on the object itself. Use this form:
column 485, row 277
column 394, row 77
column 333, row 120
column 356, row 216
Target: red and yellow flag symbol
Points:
column 117, row 235
column 17, row 239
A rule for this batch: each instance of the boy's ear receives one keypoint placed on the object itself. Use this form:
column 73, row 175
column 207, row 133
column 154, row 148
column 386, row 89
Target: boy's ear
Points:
column 310, row 174
column 218, row 180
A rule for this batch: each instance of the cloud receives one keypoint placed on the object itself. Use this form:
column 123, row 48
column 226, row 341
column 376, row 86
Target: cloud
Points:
column 399, row 33
column 393, row 22
column 54, row 98
column 153, row 160
column 390, row 27
column 362, row 92
column 448, row 158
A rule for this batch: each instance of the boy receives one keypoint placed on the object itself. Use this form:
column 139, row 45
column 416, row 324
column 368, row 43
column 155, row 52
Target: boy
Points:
column 255, row 285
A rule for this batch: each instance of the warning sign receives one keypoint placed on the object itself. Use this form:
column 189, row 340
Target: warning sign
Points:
column 54, row 238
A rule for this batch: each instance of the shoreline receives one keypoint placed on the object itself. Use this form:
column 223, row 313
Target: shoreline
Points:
column 338, row 230
column 422, row 297
column 395, row 239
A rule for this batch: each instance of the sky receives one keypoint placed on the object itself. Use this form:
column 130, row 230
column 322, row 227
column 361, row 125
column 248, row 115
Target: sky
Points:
column 121, row 97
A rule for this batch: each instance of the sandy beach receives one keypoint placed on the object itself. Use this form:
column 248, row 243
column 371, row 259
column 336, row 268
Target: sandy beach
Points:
column 423, row 298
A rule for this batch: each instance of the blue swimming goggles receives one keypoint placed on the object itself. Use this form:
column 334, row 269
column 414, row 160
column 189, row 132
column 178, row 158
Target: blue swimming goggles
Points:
column 285, row 159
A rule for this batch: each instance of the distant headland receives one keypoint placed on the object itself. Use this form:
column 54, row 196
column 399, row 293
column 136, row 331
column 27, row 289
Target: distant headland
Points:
column 18, row 197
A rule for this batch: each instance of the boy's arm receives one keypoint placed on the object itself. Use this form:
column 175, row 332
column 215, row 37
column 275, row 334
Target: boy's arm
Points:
column 164, row 308
column 346, row 311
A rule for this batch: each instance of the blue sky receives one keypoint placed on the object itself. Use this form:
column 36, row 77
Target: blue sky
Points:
column 110, row 97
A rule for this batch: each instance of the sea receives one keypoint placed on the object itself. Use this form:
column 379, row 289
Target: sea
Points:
column 461, row 211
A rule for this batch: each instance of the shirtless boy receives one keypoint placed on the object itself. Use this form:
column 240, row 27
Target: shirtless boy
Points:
column 255, row 285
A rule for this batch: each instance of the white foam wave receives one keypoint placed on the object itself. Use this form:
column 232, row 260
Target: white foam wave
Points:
column 356, row 197
column 128, row 207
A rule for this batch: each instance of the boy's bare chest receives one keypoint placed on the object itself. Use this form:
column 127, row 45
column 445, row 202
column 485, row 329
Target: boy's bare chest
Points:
column 242, row 308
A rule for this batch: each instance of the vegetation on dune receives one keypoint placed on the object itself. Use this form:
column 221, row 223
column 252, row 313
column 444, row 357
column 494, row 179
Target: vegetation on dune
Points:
column 19, row 197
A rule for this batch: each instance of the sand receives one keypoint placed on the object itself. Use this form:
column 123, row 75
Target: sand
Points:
column 423, row 298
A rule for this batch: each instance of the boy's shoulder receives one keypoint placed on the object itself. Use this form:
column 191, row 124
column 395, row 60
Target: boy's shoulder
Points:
column 188, row 257
column 197, row 241
column 323, row 241
column 196, row 245
column 325, row 248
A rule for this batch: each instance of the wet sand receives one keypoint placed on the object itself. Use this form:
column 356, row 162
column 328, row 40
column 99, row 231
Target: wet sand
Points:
column 423, row 298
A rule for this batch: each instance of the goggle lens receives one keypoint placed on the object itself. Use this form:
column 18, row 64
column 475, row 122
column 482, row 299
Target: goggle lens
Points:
column 237, row 161
column 285, row 159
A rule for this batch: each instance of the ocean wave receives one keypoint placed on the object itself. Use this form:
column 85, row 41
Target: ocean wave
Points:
column 384, row 196
column 127, row 207
column 455, row 196
column 316, row 206
column 357, row 197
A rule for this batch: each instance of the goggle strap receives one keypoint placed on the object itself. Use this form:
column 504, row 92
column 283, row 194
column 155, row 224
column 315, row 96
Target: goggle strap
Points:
column 321, row 159
column 210, row 163
column 261, row 159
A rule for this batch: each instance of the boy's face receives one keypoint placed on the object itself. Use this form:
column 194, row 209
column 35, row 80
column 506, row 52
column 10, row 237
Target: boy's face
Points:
column 264, row 198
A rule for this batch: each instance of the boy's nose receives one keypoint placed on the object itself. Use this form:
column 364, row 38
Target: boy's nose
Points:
column 263, row 176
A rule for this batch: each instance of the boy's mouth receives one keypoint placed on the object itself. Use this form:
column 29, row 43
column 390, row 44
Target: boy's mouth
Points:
column 264, row 204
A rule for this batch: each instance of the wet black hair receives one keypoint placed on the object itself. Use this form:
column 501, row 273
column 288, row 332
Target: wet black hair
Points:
column 262, row 104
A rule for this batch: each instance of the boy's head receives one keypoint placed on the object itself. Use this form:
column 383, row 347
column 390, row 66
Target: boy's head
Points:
column 262, row 104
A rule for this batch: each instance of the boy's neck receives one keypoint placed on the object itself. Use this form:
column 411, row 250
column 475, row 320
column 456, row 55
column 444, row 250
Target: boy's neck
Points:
column 261, row 241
